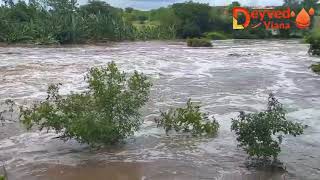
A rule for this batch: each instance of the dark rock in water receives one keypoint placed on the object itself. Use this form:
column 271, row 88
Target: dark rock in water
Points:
column 234, row 54
column 239, row 55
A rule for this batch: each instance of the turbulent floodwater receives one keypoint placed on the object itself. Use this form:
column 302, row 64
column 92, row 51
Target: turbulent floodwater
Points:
column 231, row 76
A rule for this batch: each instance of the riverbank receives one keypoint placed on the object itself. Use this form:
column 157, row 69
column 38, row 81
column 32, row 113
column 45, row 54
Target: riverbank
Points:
column 88, row 44
column 32, row 45
column 111, row 43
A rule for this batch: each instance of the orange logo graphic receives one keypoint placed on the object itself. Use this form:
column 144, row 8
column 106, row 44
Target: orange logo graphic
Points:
column 270, row 18
column 303, row 18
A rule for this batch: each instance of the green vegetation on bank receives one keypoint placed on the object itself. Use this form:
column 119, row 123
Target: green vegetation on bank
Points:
column 106, row 113
column 61, row 22
column 314, row 40
column 216, row 35
column 260, row 134
column 188, row 119
column 56, row 21
column 196, row 42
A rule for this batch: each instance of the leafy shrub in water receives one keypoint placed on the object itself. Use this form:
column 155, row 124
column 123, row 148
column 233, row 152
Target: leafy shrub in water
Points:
column 188, row 119
column 2, row 177
column 104, row 114
column 314, row 40
column 260, row 134
column 315, row 68
column 216, row 36
column 195, row 42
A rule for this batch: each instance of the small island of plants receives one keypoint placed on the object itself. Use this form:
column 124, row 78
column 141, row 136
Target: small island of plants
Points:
column 199, row 42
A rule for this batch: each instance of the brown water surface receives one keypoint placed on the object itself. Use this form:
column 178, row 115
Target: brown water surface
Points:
column 231, row 76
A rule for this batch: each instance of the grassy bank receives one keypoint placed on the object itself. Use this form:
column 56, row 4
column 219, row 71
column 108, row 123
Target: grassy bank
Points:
column 65, row 22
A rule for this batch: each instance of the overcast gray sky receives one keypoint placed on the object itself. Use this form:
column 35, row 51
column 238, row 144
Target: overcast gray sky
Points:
column 152, row 4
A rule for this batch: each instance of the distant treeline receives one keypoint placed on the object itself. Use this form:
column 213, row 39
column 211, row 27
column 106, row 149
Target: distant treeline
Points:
column 64, row 21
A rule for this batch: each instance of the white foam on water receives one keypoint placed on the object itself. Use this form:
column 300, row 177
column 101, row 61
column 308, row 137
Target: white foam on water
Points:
column 310, row 117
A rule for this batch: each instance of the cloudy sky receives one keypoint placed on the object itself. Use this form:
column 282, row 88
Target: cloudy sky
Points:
column 152, row 4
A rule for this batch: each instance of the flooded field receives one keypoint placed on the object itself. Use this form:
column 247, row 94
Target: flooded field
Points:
column 231, row 76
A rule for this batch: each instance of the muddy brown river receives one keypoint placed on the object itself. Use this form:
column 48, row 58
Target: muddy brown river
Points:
column 232, row 76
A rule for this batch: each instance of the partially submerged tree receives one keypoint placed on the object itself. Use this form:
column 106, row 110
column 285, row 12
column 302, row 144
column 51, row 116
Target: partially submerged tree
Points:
column 188, row 119
column 314, row 40
column 260, row 134
column 106, row 113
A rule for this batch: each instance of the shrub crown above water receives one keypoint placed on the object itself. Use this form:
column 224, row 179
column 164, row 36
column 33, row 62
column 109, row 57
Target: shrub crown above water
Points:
column 104, row 114
column 188, row 119
column 260, row 134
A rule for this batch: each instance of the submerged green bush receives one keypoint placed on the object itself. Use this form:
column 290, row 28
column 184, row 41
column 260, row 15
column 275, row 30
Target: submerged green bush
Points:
column 195, row 42
column 260, row 134
column 314, row 40
column 106, row 113
column 315, row 68
column 2, row 177
column 188, row 119
column 216, row 35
